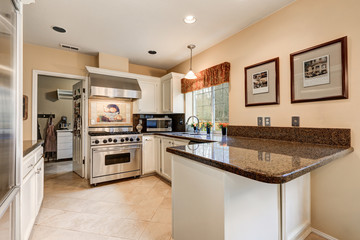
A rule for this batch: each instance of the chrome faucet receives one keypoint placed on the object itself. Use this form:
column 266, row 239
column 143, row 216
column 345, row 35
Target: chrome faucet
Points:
column 187, row 121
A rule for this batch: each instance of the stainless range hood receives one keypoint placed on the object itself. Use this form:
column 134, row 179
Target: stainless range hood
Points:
column 112, row 84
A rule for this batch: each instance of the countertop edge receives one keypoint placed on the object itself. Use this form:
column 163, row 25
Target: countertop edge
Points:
column 260, row 176
column 32, row 147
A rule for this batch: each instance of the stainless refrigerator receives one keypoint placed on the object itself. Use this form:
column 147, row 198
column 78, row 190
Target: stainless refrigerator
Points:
column 9, row 119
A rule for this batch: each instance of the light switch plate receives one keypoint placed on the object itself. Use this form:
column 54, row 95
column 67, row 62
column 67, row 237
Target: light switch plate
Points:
column 295, row 121
column 260, row 121
column 267, row 122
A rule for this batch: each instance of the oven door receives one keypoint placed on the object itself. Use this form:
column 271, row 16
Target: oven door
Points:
column 108, row 160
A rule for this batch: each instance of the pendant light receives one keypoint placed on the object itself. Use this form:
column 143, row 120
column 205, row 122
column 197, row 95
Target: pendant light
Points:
column 190, row 74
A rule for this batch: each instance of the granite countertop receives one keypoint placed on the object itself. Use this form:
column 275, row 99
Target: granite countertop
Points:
column 265, row 160
column 30, row 145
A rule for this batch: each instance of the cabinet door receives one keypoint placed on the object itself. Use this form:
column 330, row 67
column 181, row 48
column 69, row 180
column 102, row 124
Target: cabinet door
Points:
column 166, row 157
column 149, row 163
column 148, row 103
column 39, row 176
column 166, row 95
column 157, row 150
column 181, row 142
column 28, row 204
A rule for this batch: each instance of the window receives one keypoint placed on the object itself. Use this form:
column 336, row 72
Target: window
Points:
column 212, row 105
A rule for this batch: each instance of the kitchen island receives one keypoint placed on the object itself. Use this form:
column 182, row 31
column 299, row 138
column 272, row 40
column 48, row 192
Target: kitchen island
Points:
column 246, row 188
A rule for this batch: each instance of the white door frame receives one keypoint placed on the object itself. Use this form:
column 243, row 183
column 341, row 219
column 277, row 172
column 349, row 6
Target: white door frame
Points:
column 34, row 104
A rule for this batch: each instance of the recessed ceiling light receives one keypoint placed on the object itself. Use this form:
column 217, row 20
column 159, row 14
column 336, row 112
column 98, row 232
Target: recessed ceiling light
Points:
column 59, row 29
column 189, row 19
column 152, row 52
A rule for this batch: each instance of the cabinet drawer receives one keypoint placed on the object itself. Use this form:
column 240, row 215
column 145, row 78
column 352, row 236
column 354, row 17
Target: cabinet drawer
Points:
column 67, row 145
column 65, row 139
column 39, row 154
column 62, row 154
column 28, row 165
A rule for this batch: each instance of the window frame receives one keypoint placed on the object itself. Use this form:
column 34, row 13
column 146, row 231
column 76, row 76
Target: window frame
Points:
column 212, row 88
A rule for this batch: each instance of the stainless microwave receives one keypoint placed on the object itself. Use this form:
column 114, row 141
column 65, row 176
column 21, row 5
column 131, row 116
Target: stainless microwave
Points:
column 159, row 124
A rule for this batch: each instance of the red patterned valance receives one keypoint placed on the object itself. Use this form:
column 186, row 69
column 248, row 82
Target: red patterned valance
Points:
column 209, row 77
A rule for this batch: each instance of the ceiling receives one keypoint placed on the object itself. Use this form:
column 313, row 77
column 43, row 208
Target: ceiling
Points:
column 130, row 28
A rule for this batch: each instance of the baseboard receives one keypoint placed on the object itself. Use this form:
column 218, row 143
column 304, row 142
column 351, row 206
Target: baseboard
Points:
column 324, row 235
column 301, row 232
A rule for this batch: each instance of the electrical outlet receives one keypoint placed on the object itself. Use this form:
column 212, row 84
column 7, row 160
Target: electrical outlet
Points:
column 267, row 122
column 260, row 121
column 295, row 121
column 260, row 156
column 267, row 157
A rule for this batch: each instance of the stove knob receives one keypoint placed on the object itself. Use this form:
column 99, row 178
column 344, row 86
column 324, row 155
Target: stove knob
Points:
column 122, row 140
column 115, row 140
column 110, row 140
column 137, row 139
column 127, row 139
column 104, row 141
column 96, row 141
column 131, row 139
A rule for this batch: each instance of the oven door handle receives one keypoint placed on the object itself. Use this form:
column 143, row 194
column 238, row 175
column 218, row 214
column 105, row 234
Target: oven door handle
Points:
column 116, row 149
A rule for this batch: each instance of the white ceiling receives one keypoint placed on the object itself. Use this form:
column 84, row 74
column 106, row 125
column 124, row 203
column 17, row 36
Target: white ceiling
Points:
column 129, row 28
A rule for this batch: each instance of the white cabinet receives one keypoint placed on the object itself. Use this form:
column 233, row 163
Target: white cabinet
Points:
column 150, row 96
column 31, row 190
column 166, row 158
column 64, row 144
column 28, row 202
column 148, row 158
column 172, row 99
column 39, row 182
column 157, row 150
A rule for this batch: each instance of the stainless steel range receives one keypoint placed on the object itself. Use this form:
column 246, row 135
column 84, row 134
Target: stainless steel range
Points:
column 114, row 155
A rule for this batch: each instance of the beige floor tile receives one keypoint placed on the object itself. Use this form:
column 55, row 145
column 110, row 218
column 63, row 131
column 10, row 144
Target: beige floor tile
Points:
column 153, row 202
column 142, row 213
column 46, row 213
column 162, row 215
column 62, row 203
column 50, row 233
column 158, row 192
column 166, row 203
column 314, row 236
column 97, row 207
column 157, row 231
column 121, row 210
column 141, row 190
column 121, row 228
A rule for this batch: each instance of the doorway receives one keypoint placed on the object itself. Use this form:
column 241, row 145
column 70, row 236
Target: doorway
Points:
column 53, row 119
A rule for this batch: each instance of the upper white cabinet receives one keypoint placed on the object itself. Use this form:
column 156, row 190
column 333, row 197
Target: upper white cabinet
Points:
column 150, row 95
column 172, row 99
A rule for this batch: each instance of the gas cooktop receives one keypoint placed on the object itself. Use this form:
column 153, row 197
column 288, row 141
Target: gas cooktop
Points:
column 103, row 133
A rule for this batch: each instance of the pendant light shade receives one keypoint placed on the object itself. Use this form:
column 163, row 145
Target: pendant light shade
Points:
column 190, row 74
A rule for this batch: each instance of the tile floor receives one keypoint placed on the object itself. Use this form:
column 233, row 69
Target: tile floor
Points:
column 130, row 209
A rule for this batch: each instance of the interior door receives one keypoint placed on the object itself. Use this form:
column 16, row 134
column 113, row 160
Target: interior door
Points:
column 78, row 155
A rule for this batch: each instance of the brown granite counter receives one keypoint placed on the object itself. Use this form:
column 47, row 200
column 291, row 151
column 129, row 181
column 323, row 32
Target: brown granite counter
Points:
column 30, row 145
column 265, row 160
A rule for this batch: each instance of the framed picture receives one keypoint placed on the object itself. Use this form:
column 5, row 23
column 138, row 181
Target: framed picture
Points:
column 262, row 83
column 319, row 73
column 104, row 112
column 25, row 107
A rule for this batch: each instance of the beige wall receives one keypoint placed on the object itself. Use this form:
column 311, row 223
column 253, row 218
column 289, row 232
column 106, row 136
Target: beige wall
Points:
column 48, row 102
column 113, row 62
column 305, row 23
column 145, row 70
column 52, row 60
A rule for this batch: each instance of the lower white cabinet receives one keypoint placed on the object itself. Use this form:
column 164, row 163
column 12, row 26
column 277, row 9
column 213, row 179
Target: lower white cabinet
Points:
column 155, row 157
column 31, row 191
column 148, row 158
column 166, row 160
column 64, row 144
